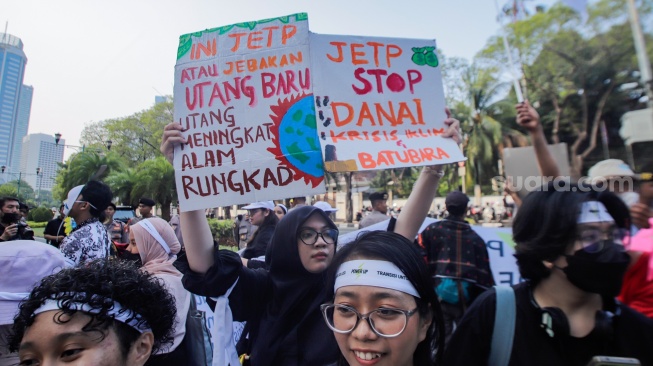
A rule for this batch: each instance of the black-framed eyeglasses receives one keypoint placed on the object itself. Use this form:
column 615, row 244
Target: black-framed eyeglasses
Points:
column 594, row 240
column 253, row 211
column 386, row 322
column 309, row 236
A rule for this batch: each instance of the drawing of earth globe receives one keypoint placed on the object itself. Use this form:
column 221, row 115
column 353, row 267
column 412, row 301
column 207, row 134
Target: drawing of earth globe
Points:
column 298, row 137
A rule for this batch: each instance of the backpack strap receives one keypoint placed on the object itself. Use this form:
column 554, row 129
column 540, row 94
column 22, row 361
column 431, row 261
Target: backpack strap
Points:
column 504, row 326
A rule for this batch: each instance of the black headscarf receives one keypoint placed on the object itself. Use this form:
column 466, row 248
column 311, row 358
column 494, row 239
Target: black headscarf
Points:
column 292, row 324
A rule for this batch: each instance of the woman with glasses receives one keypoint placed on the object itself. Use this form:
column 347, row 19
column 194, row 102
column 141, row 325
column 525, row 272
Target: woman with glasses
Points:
column 384, row 310
column 570, row 249
column 283, row 304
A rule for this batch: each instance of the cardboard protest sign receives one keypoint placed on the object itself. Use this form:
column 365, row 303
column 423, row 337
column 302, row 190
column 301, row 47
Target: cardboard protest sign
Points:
column 523, row 171
column 243, row 94
column 380, row 103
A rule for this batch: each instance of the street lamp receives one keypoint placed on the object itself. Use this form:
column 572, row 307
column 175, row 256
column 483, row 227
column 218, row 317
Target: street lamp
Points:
column 39, row 176
column 57, row 138
column 3, row 168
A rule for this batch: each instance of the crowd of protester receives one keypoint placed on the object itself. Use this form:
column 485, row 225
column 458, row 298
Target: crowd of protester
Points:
column 104, row 292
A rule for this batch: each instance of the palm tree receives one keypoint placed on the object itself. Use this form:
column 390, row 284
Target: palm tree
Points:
column 122, row 183
column 83, row 166
column 485, row 136
column 156, row 179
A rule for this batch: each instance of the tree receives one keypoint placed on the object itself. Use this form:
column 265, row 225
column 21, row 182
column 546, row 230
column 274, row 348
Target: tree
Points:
column 156, row 179
column 574, row 70
column 81, row 167
column 10, row 189
column 134, row 138
column 480, row 114
column 122, row 184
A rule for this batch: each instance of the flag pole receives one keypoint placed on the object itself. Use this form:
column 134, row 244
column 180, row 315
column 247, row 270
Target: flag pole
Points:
column 506, row 45
column 640, row 49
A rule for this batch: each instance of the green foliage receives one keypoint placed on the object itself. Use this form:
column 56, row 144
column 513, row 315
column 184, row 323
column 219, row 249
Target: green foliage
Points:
column 11, row 189
column 573, row 70
column 135, row 138
column 222, row 231
column 40, row 214
column 400, row 181
column 122, row 183
column 155, row 178
column 83, row 166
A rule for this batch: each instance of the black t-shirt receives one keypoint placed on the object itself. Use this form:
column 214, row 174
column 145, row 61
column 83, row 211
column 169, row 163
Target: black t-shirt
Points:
column 631, row 336
column 55, row 228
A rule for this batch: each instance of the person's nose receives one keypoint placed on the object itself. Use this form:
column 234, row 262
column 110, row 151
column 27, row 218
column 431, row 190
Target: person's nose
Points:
column 320, row 241
column 363, row 330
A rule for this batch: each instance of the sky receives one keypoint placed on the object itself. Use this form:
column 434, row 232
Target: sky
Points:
column 91, row 60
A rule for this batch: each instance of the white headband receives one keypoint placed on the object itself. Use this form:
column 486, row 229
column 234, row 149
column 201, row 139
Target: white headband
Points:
column 373, row 273
column 117, row 312
column 13, row 296
column 155, row 234
column 594, row 211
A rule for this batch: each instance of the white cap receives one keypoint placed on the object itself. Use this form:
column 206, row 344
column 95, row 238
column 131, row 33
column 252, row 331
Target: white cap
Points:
column 72, row 197
column 325, row 206
column 263, row 204
column 610, row 168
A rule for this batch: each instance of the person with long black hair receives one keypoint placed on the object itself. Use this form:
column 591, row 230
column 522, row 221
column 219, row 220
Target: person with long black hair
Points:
column 571, row 244
column 383, row 308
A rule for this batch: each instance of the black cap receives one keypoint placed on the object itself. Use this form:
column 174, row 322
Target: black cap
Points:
column 456, row 198
column 97, row 194
column 378, row 196
column 147, row 202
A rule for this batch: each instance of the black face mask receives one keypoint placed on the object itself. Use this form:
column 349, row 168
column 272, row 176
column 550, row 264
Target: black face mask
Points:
column 10, row 218
column 601, row 272
column 134, row 257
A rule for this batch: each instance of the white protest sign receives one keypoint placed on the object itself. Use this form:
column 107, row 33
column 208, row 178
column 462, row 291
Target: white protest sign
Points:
column 243, row 94
column 498, row 240
column 380, row 103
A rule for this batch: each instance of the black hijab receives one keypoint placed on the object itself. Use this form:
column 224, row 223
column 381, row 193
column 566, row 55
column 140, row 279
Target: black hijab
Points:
column 292, row 325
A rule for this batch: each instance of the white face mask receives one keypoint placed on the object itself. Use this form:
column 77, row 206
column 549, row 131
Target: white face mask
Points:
column 630, row 198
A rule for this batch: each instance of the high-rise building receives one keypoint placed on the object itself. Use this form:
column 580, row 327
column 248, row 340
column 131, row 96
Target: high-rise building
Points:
column 12, row 71
column 41, row 151
column 22, row 123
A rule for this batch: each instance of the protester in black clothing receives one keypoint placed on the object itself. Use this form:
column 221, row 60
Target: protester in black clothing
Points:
column 23, row 208
column 457, row 259
column 262, row 215
column 145, row 208
column 54, row 231
column 570, row 250
column 12, row 227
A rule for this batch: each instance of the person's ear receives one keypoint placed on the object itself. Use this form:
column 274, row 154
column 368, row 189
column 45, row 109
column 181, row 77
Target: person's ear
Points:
column 141, row 349
column 548, row 265
column 425, row 324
